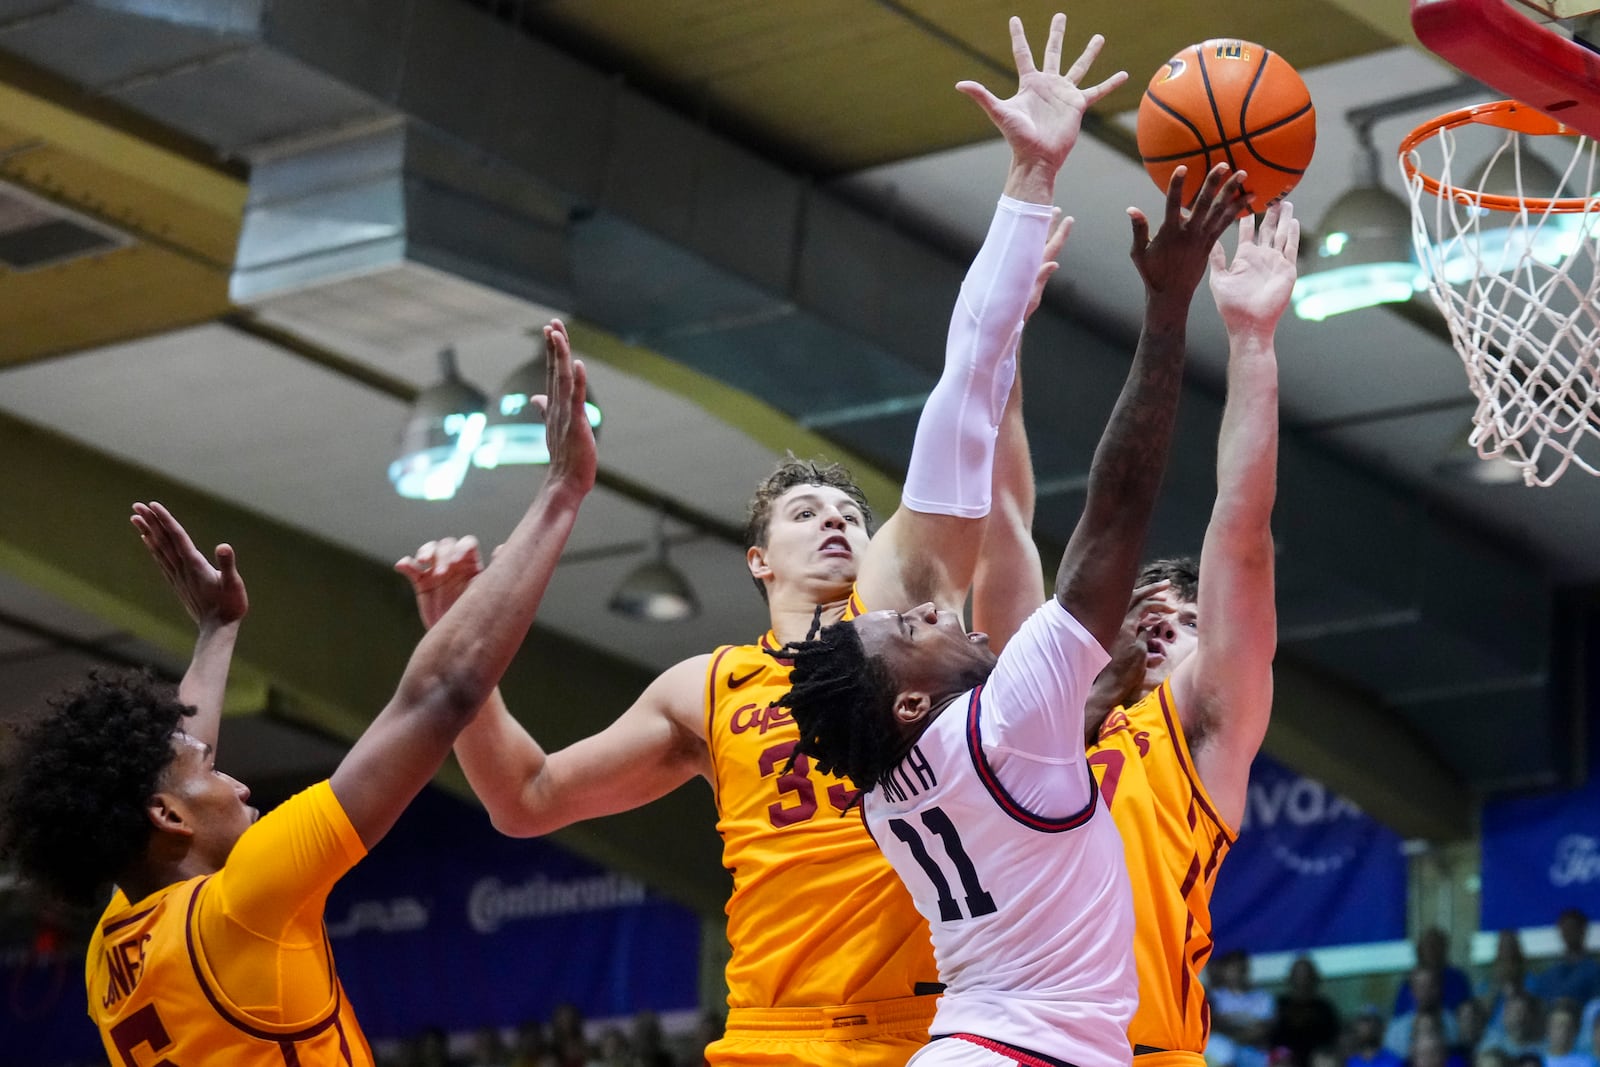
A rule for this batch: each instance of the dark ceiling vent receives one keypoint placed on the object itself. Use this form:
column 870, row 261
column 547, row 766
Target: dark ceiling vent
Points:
column 35, row 233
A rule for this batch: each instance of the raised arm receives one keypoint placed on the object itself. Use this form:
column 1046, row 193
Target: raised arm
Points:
column 215, row 598
column 929, row 547
column 528, row 792
column 1102, row 557
column 1224, row 690
column 459, row 662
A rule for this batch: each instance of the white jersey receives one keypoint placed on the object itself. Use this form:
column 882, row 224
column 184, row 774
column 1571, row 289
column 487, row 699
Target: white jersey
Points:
column 992, row 821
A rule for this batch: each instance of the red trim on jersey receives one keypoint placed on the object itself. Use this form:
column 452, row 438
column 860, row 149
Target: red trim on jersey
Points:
column 1175, row 731
column 1010, row 1052
column 1008, row 804
column 284, row 1041
column 112, row 927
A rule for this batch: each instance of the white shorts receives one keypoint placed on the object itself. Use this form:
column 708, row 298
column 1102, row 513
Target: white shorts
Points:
column 957, row 1052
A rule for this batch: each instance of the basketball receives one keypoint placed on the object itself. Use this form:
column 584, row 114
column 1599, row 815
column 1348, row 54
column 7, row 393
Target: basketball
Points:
column 1231, row 101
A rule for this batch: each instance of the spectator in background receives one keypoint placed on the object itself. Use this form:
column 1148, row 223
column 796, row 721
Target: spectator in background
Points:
column 1576, row 975
column 489, row 1049
column 1433, row 952
column 1305, row 1019
column 707, row 1030
column 1241, row 1015
column 530, row 1047
column 1561, row 1038
column 1366, row 1038
column 645, row 1042
column 613, row 1050
column 1428, row 1047
column 1508, row 973
column 1491, row 1057
column 1471, row 1021
column 1517, row 1032
column 1426, row 991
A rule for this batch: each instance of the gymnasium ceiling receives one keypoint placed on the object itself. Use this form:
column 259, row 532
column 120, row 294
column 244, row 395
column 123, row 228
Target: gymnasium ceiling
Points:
column 755, row 215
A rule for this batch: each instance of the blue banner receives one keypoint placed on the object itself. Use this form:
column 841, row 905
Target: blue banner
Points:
column 447, row 923
column 1541, row 854
column 450, row 923
column 1310, row 869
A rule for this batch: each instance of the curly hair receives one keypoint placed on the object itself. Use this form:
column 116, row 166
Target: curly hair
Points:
column 74, row 817
column 1182, row 571
column 843, row 702
column 791, row 472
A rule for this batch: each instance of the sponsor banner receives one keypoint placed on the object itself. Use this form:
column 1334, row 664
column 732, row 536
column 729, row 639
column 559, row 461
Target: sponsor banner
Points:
column 1310, row 869
column 450, row 923
column 1541, row 854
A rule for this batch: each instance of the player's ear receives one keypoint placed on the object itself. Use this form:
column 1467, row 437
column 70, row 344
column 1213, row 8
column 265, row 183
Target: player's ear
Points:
column 168, row 814
column 911, row 708
column 755, row 557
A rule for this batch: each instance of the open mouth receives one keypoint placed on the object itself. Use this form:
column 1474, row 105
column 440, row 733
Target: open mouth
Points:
column 836, row 546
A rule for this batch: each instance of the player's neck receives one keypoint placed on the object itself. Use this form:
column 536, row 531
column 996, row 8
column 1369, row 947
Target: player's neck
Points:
column 794, row 611
column 154, row 873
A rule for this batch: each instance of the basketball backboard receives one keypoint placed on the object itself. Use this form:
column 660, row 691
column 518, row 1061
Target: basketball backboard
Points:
column 1521, row 50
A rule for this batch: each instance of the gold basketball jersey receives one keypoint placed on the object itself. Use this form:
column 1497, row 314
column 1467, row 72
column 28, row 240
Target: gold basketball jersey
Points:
column 154, row 990
column 1174, row 842
column 817, row 916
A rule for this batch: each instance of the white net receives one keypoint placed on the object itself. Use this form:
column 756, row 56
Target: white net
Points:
column 1518, row 287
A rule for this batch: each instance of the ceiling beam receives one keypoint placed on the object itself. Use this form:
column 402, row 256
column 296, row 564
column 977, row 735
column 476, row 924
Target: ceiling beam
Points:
column 330, row 631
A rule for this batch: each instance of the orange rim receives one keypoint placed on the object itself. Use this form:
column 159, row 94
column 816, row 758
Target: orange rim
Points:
column 1507, row 115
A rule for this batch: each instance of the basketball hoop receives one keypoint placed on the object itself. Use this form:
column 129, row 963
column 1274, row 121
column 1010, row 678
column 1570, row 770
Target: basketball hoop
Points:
column 1517, row 278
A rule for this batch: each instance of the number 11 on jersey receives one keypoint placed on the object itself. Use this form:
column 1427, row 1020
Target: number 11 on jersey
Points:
column 978, row 900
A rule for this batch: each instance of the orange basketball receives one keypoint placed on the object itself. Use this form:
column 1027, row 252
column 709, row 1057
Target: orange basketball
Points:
column 1232, row 101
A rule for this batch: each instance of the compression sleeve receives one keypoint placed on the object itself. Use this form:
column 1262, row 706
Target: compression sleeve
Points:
column 952, row 460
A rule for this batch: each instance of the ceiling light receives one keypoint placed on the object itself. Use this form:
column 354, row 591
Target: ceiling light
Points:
column 440, row 436
column 1364, row 257
column 514, row 429
column 656, row 591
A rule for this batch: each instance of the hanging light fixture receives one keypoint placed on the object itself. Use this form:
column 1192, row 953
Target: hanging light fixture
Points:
column 1496, row 246
column 514, row 429
column 656, row 591
column 1364, row 257
column 440, row 436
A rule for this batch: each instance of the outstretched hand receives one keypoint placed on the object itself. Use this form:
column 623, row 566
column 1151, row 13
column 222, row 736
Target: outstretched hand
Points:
column 1041, row 121
column 567, row 432
column 1174, row 260
column 1253, row 291
column 1119, row 682
column 212, row 594
column 439, row 573
column 1060, row 227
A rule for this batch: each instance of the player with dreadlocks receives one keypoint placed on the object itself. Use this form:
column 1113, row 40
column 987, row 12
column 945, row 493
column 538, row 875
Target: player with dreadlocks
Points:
column 989, row 813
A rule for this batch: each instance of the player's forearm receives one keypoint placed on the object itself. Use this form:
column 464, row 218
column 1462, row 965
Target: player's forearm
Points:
column 952, row 459
column 1125, row 476
column 459, row 662
column 1247, row 446
column 502, row 764
column 205, row 683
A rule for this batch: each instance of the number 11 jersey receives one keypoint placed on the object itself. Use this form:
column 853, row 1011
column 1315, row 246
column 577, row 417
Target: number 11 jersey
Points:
column 992, row 820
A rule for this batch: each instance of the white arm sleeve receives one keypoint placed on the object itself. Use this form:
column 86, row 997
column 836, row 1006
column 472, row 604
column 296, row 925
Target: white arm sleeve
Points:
column 1032, row 710
column 952, row 460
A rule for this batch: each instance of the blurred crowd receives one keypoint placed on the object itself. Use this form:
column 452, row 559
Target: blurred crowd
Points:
column 1511, row 1016
column 562, row 1041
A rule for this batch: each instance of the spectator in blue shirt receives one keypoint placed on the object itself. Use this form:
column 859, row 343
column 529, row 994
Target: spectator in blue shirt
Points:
column 1576, row 975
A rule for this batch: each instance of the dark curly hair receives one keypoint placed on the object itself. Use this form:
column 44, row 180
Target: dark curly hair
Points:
column 74, row 817
column 1182, row 571
column 843, row 702
column 790, row 473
